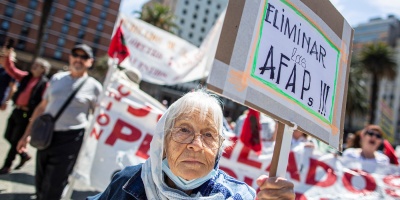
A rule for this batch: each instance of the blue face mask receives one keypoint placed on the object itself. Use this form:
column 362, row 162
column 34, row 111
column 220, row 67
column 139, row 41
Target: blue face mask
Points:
column 182, row 183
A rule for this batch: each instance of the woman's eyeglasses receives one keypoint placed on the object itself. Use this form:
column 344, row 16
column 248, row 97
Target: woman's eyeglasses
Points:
column 83, row 57
column 185, row 135
column 372, row 133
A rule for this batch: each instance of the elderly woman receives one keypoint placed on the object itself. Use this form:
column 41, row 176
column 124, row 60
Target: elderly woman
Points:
column 371, row 139
column 183, row 163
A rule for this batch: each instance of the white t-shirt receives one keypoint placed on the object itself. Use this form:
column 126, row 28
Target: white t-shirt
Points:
column 355, row 153
column 75, row 116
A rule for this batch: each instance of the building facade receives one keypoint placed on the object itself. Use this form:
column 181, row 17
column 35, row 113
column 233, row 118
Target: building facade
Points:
column 70, row 22
column 388, row 108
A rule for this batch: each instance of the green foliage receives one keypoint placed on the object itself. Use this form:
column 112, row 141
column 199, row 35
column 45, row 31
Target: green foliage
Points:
column 357, row 101
column 159, row 16
column 378, row 60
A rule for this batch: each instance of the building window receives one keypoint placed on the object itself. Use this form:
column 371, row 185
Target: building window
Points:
column 190, row 35
column 88, row 9
column 49, row 23
column 61, row 42
column 21, row 44
column 52, row 10
column 64, row 29
column 182, row 21
column 29, row 17
column 218, row 6
column 81, row 34
column 205, row 20
column 99, row 27
column 58, row 55
column 33, row 4
column 85, row 22
column 186, row 2
column 25, row 31
column 193, row 25
column 96, row 39
column 103, row 15
column 209, row 2
column 196, row 7
column 200, row 39
column 106, row 3
column 72, row 3
column 9, row 11
column 184, row 11
column 5, row 25
column 68, row 17
column 202, row 29
column 195, row 16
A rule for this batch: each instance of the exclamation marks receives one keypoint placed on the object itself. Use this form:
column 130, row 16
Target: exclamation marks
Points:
column 323, row 97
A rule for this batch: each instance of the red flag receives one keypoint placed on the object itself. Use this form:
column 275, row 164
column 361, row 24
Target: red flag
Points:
column 118, row 48
column 250, row 135
column 390, row 152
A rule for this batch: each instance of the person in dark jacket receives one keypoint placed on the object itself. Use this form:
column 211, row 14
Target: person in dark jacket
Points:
column 32, row 85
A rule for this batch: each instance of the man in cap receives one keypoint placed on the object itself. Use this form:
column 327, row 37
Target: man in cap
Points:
column 55, row 163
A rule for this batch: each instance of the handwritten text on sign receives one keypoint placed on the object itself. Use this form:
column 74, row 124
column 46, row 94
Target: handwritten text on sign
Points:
column 298, row 61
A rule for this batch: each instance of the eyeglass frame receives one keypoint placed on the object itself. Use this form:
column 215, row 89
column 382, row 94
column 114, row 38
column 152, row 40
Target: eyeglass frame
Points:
column 83, row 57
column 374, row 133
column 221, row 139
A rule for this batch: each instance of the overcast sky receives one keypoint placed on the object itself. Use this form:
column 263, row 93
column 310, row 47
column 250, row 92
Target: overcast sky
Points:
column 354, row 11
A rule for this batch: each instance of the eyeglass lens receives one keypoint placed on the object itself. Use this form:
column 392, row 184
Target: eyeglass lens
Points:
column 186, row 136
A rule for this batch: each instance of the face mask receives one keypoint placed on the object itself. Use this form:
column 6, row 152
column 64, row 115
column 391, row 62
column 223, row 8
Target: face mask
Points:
column 182, row 183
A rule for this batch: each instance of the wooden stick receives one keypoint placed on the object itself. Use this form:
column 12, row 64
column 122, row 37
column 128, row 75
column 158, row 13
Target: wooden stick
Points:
column 281, row 150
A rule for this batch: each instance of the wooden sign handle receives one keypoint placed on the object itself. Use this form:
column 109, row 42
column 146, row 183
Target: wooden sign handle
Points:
column 281, row 150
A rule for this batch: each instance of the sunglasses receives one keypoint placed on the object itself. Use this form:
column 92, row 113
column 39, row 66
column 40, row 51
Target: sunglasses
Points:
column 372, row 133
column 83, row 57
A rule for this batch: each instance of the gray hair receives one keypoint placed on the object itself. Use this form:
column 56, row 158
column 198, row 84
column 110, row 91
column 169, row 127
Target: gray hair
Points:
column 45, row 64
column 199, row 99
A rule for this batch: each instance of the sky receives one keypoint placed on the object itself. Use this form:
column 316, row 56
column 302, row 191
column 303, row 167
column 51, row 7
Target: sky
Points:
column 354, row 11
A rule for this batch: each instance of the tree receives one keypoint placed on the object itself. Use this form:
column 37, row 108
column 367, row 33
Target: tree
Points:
column 356, row 93
column 378, row 60
column 159, row 16
column 46, row 8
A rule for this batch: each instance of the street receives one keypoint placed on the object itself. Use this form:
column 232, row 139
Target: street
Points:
column 19, row 184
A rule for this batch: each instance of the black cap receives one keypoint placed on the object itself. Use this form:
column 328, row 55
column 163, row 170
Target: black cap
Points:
column 88, row 50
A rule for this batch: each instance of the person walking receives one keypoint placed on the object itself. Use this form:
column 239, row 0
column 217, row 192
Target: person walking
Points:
column 7, row 84
column 32, row 85
column 55, row 163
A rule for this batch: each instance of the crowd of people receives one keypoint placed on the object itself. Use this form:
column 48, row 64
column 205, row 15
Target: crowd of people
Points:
column 188, row 143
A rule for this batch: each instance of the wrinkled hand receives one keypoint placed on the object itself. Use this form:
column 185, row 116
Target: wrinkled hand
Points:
column 22, row 144
column 274, row 188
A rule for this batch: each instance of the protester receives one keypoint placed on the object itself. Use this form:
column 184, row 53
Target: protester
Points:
column 54, row 164
column 371, row 138
column 32, row 84
column 7, row 83
column 184, row 166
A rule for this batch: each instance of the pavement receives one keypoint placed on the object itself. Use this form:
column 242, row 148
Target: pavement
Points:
column 19, row 184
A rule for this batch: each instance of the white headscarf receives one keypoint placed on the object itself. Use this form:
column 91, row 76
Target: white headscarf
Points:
column 152, row 174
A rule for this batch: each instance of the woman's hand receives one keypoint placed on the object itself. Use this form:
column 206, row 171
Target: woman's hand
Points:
column 274, row 188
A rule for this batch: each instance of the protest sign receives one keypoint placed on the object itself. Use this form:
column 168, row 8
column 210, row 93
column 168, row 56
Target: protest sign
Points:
column 288, row 59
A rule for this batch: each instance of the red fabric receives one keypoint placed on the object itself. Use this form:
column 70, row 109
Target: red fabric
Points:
column 389, row 152
column 250, row 135
column 13, row 71
column 118, row 48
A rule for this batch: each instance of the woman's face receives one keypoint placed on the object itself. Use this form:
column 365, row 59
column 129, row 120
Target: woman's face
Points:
column 371, row 139
column 193, row 160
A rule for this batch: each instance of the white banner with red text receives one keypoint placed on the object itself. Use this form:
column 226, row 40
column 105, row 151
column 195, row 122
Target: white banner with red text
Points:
column 162, row 57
